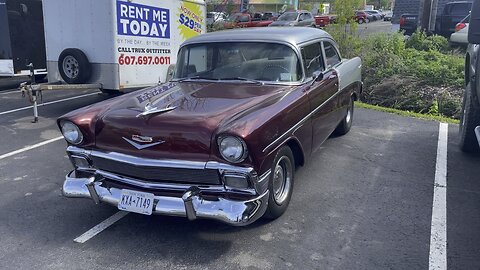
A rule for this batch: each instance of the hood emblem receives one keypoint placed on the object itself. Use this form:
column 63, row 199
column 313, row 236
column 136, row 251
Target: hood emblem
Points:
column 149, row 109
column 142, row 142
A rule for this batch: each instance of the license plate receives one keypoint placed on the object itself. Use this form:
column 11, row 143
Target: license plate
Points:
column 136, row 201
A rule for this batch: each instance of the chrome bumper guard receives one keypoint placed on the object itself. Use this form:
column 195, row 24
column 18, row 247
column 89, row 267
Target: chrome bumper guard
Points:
column 191, row 205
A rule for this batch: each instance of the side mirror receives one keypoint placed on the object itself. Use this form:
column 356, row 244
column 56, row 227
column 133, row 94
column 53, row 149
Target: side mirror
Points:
column 474, row 25
column 318, row 76
column 170, row 72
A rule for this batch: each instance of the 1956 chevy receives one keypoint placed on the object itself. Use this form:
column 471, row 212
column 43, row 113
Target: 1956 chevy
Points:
column 221, row 140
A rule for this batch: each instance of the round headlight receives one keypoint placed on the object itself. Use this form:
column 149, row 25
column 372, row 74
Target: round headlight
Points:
column 71, row 132
column 232, row 149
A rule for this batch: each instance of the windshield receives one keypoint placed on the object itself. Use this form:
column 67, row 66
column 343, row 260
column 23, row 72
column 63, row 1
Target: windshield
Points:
column 288, row 16
column 259, row 61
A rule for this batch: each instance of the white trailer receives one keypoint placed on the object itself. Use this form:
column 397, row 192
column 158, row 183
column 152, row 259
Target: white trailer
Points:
column 118, row 44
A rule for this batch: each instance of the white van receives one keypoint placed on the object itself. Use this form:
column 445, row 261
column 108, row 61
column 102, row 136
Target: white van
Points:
column 119, row 44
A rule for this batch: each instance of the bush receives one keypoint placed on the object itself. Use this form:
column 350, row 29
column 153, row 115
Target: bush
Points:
column 419, row 74
column 420, row 41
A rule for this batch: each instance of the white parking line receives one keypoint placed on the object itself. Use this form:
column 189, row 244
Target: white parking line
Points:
column 100, row 227
column 438, row 234
column 30, row 147
column 50, row 102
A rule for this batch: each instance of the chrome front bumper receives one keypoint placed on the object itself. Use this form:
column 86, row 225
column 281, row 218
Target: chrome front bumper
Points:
column 191, row 205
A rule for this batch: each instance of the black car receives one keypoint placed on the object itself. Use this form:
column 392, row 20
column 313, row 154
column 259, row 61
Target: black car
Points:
column 408, row 23
column 452, row 14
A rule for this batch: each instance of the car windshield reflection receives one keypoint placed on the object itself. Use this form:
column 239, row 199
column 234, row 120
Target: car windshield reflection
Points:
column 249, row 62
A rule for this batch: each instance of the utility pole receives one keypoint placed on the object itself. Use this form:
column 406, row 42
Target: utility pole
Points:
column 427, row 9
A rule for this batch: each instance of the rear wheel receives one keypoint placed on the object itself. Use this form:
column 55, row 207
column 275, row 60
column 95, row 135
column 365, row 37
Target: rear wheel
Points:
column 281, row 183
column 346, row 124
column 361, row 21
column 470, row 120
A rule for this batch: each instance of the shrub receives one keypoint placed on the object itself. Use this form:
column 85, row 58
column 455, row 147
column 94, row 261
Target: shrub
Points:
column 420, row 74
column 420, row 41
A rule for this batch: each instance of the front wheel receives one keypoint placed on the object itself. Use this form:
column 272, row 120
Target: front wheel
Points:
column 470, row 120
column 346, row 124
column 281, row 183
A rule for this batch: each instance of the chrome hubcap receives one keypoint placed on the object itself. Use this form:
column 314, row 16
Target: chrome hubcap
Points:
column 282, row 180
column 349, row 115
column 70, row 66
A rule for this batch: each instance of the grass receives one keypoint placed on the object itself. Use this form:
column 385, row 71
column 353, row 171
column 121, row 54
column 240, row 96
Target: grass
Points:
column 431, row 117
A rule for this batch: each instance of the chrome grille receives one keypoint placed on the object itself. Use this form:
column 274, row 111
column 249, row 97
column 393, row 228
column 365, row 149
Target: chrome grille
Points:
column 158, row 174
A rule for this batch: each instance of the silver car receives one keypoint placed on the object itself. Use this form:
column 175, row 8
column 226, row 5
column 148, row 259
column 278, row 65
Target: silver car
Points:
column 295, row 18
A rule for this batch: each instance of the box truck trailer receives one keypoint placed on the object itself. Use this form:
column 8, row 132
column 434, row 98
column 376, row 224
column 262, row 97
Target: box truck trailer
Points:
column 21, row 38
column 117, row 44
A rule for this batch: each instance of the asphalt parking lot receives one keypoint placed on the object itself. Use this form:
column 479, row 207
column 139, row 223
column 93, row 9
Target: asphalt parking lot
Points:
column 363, row 201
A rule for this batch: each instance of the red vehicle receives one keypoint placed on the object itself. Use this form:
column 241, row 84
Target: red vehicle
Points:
column 222, row 139
column 242, row 20
column 322, row 20
column 361, row 17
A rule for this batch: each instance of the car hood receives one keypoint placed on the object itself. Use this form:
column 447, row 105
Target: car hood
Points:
column 186, row 129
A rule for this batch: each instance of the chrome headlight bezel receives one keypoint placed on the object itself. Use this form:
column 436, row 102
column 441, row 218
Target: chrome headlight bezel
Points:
column 234, row 142
column 71, row 132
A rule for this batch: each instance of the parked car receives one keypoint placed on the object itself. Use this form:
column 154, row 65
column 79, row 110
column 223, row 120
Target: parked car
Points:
column 216, row 17
column 376, row 16
column 452, row 14
column 222, row 139
column 362, row 17
column 270, row 16
column 295, row 18
column 470, row 120
column 322, row 20
column 387, row 16
column 461, row 32
column 243, row 20
column 408, row 23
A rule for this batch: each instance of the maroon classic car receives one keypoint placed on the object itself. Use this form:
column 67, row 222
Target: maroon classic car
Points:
column 221, row 140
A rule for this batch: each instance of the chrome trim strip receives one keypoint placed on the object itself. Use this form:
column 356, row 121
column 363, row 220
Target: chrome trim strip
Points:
column 301, row 122
column 170, row 163
column 227, row 167
column 264, row 176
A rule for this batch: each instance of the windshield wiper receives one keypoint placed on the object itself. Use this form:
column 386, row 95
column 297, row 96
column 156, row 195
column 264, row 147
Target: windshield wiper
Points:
column 196, row 78
column 242, row 79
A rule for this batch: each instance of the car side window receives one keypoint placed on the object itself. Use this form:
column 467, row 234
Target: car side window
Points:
column 312, row 59
column 331, row 54
column 308, row 16
column 302, row 17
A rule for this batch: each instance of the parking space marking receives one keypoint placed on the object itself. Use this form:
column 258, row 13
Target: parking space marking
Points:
column 50, row 102
column 100, row 227
column 438, row 234
column 29, row 147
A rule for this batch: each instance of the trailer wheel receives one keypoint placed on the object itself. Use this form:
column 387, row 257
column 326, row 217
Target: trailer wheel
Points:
column 74, row 66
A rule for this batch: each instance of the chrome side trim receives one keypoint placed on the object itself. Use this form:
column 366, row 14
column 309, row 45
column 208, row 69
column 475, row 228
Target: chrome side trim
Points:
column 227, row 167
column 300, row 123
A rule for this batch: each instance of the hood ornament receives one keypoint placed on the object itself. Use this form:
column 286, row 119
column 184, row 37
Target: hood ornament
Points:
column 138, row 141
column 149, row 109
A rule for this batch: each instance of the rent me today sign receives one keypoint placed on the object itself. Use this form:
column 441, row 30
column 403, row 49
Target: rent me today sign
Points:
column 141, row 20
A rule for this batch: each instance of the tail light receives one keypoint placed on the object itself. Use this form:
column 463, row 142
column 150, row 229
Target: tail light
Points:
column 402, row 21
column 459, row 26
